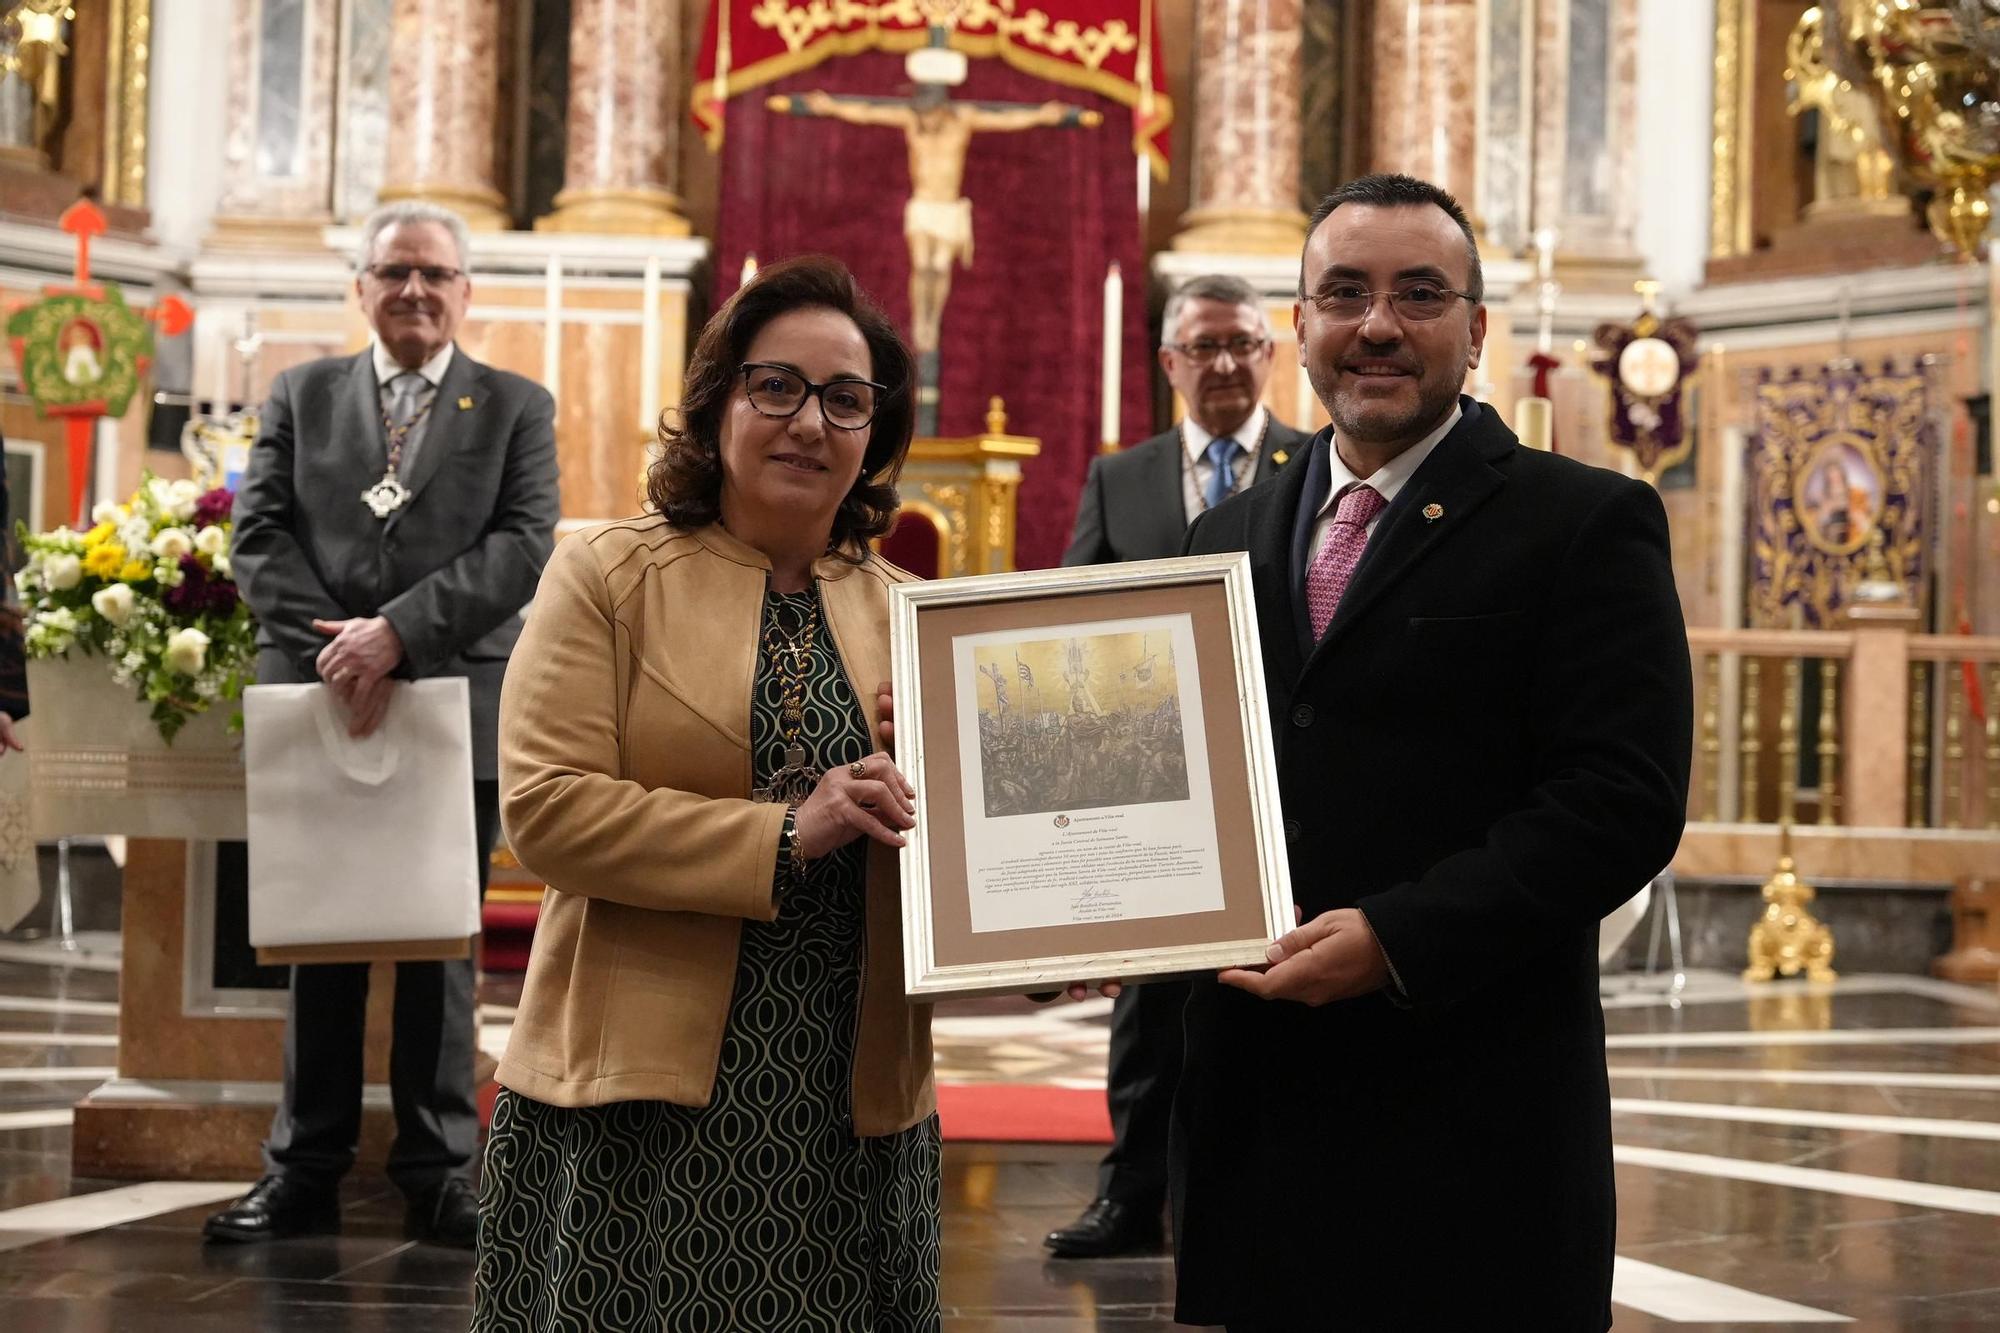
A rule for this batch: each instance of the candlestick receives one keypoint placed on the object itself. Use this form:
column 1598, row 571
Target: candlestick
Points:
column 649, row 352
column 1114, row 327
column 552, row 328
column 1534, row 422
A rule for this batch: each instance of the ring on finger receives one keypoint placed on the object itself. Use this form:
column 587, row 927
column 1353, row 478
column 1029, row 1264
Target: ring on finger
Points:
column 858, row 769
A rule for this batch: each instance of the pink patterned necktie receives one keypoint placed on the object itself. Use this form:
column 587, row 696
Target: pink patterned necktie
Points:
column 1327, row 578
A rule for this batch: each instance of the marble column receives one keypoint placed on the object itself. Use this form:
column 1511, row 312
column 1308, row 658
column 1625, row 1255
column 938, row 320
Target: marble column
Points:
column 1585, row 74
column 1426, row 93
column 444, row 71
column 1245, row 195
column 625, row 115
column 277, row 153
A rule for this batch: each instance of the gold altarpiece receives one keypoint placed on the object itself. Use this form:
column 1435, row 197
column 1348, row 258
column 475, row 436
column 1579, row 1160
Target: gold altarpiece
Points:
column 967, row 490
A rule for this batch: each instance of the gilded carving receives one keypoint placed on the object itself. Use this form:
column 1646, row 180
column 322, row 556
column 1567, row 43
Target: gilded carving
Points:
column 954, row 503
column 1723, row 204
column 1787, row 939
column 797, row 24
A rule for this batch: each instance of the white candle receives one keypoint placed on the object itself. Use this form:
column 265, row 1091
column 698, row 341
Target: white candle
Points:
column 1534, row 422
column 1114, row 326
column 552, row 295
column 649, row 352
column 220, row 352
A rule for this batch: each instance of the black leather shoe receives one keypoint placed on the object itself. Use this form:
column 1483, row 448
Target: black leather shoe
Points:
column 276, row 1207
column 446, row 1215
column 1108, row 1227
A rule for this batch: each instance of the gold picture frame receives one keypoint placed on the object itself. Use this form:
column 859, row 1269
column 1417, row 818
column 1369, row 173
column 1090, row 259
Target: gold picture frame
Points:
column 1096, row 781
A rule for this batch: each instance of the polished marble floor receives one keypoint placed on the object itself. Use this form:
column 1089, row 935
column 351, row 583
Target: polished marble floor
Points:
column 1788, row 1156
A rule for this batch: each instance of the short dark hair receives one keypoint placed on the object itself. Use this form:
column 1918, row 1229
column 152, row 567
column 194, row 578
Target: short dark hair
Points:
column 685, row 482
column 1388, row 189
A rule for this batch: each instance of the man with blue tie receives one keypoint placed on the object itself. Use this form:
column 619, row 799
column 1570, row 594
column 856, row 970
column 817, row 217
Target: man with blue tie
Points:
column 1216, row 351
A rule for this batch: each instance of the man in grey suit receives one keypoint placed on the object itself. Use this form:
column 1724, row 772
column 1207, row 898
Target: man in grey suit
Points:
column 396, row 514
column 1216, row 351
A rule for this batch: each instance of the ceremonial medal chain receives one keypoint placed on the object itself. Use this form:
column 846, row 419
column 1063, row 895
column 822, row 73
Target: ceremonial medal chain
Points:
column 388, row 495
column 1180, row 429
column 790, row 656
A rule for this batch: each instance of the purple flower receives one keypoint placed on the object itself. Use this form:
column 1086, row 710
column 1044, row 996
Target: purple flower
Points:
column 214, row 507
column 200, row 591
column 191, row 597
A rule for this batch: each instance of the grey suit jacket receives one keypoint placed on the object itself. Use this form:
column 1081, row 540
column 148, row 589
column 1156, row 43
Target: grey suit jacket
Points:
column 450, row 570
column 1134, row 507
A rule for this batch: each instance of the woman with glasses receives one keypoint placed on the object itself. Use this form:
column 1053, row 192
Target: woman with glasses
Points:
column 716, row 1107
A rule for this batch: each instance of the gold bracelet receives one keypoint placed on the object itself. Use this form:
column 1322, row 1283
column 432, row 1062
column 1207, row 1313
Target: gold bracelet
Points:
column 795, row 855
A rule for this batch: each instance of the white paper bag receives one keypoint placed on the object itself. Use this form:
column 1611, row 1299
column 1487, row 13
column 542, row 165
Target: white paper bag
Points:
column 20, row 875
column 360, row 842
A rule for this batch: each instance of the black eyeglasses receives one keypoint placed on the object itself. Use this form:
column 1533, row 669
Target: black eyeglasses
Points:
column 1417, row 302
column 434, row 275
column 1242, row 347
column 777, row 391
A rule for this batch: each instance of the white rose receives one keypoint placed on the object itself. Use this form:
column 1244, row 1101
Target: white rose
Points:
column 114, row 603
column 172, row 543
column 181, row 499
column 106, row 512
column 211, row 541
column 62, row 571
column 161, row 492
column 186, row 651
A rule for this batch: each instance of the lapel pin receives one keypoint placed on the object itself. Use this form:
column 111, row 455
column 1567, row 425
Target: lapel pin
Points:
column 465, row 404
column 1433, row 512
column 1280, row 458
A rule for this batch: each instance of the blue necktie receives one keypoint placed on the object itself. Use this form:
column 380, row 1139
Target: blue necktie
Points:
column 1221, row 456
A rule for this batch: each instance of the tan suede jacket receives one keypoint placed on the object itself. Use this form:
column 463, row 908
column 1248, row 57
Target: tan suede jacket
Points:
column 625, row 786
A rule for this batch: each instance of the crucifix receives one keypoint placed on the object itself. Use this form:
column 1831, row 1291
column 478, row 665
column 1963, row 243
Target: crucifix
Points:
column 937, row 219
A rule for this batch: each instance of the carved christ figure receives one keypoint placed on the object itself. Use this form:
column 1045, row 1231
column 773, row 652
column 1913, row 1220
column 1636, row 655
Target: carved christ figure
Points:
column 937, row 221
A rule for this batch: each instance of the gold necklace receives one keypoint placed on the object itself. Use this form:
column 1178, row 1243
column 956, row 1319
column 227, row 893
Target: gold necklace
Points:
column 790, row 656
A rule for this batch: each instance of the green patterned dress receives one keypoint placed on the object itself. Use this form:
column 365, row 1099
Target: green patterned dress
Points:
column 761, row 1211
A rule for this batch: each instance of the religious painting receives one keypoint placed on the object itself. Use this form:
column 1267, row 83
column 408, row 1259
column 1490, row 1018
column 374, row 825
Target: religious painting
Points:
column 1839, row 472
column 82, row 352
column 1091, row 750
column 1096, row 721
column 1840, row 496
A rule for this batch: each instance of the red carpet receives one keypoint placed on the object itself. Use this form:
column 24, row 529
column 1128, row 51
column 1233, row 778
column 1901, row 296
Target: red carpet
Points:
column 1022, row 1113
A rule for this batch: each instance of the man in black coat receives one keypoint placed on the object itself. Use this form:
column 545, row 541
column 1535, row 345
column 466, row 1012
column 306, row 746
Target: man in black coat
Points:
column 1480, row 693
column 1216, row 351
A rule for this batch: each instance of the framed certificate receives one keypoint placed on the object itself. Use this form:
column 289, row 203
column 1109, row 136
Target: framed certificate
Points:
column 1096, row 788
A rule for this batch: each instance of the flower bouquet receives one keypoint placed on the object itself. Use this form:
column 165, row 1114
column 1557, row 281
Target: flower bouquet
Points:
column 148, row 589
column 138, row 610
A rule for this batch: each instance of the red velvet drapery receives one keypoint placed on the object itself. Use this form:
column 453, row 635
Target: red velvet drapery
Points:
column 1051, row 208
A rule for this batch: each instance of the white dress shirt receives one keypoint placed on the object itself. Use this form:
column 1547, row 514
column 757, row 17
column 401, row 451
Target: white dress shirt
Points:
column 1195, row 476
column 386, row 369
column 1387, row 480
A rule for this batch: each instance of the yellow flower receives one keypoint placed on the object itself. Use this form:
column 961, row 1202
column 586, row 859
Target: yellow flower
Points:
column 104, row 560
column 135, row 571
column 99, row 535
